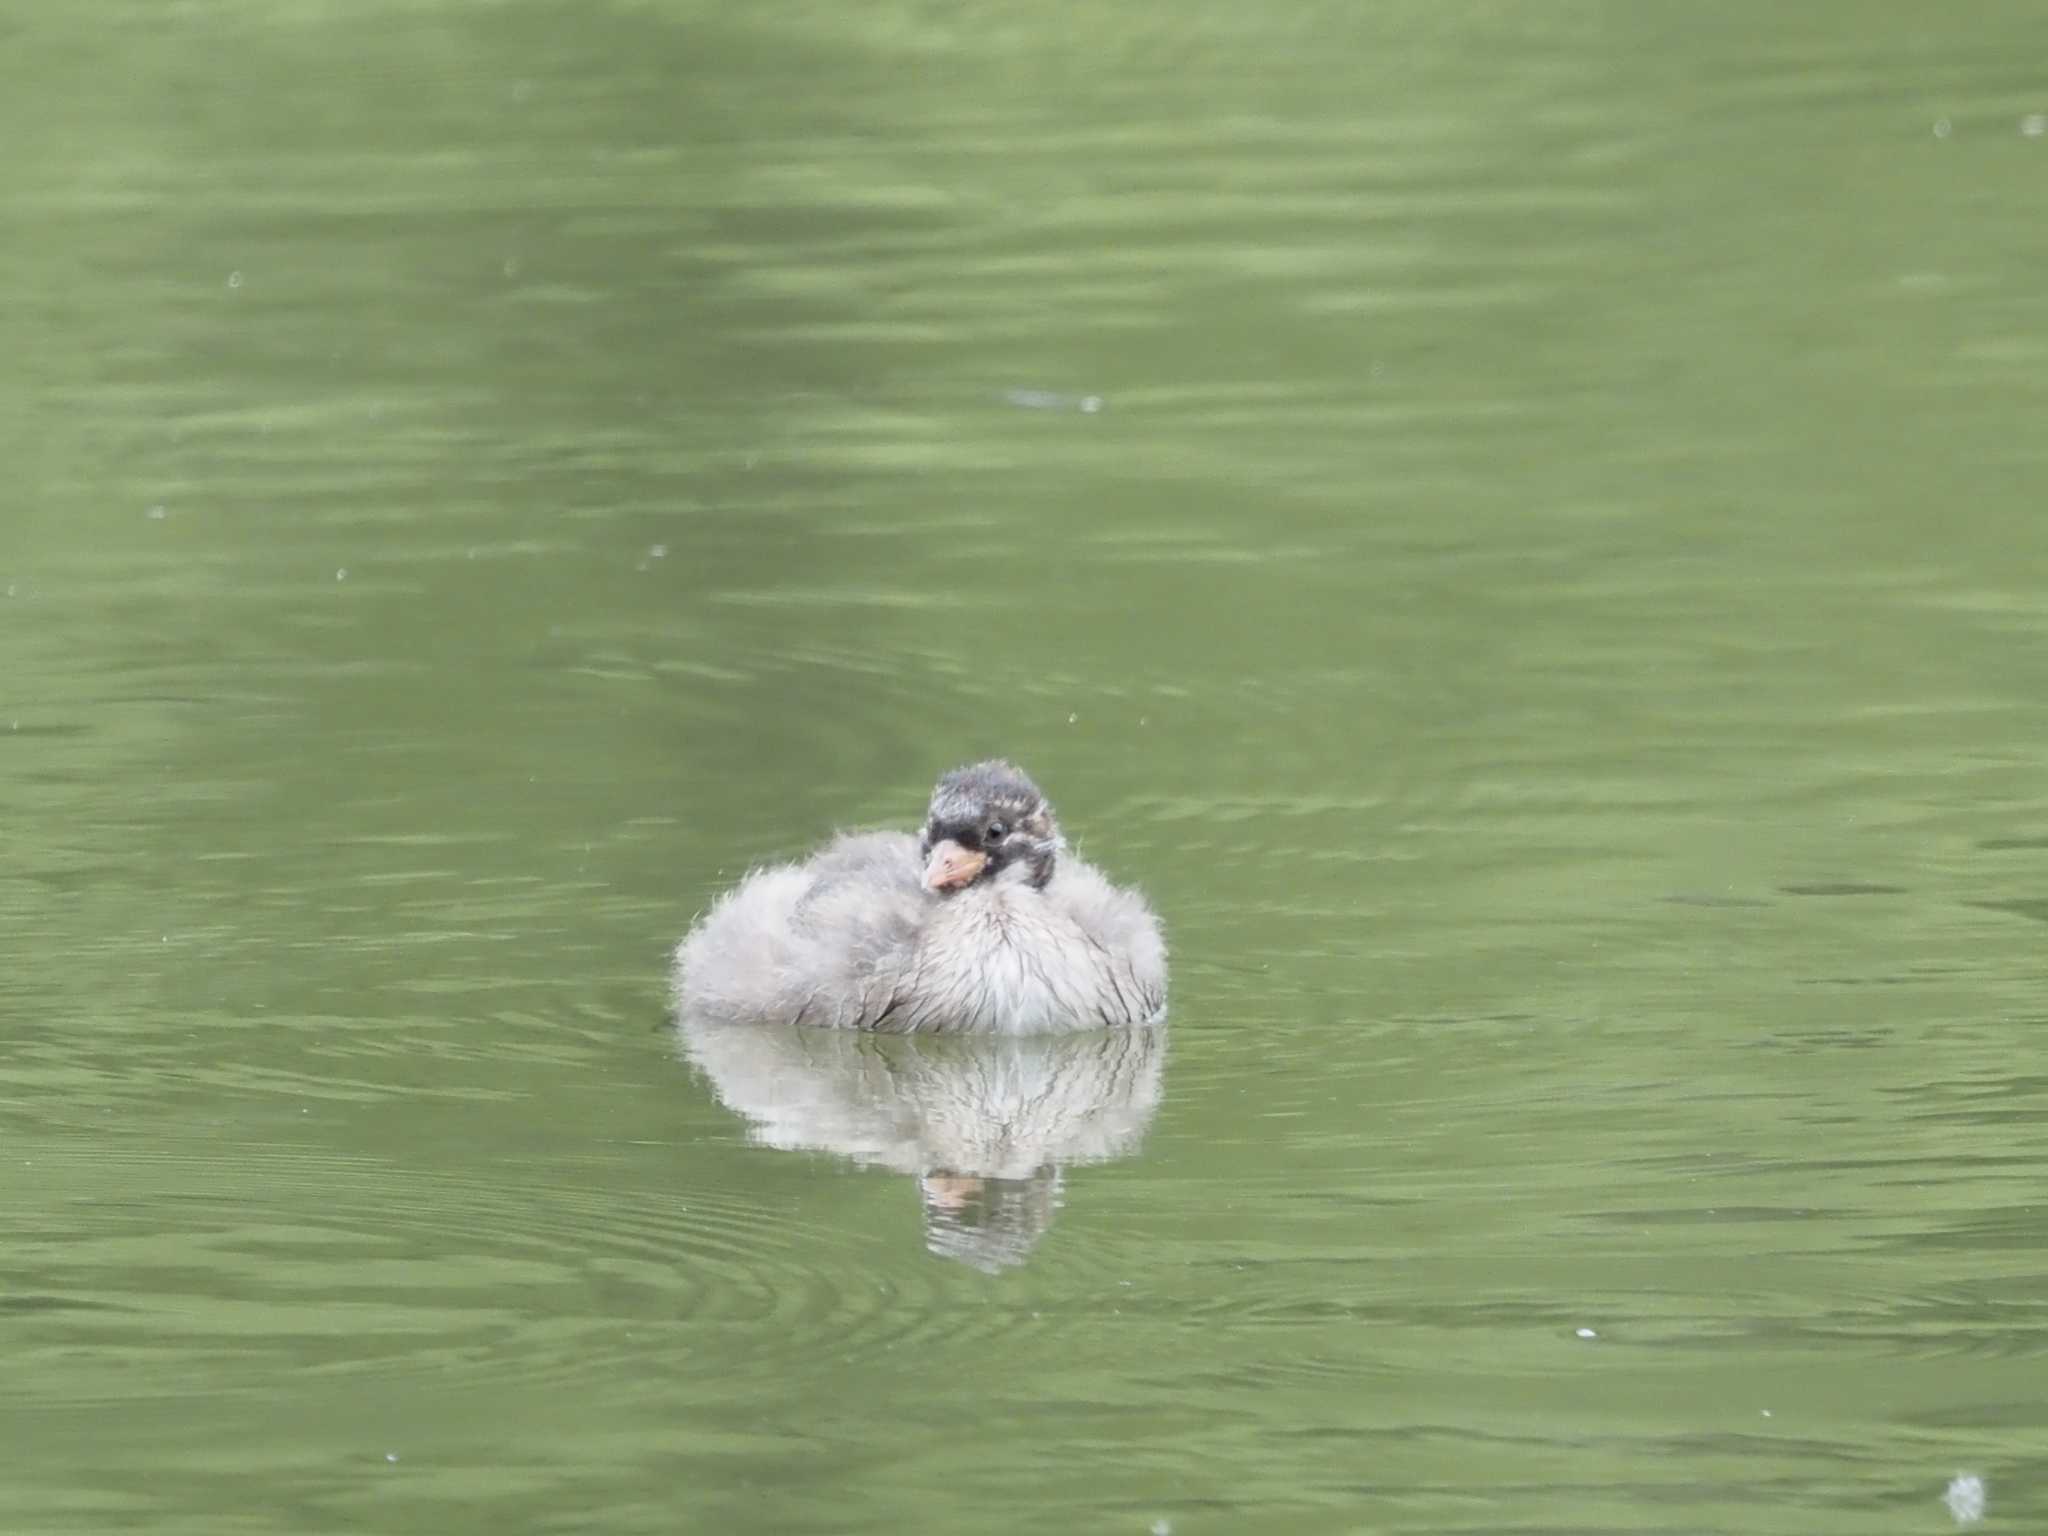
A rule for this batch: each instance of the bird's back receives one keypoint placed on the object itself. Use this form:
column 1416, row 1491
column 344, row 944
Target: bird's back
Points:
column 809, row 942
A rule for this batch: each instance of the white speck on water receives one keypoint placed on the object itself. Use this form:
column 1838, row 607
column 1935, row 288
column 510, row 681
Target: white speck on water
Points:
column 1587, row 1333
column 391, row 1455
column 342, row 574
column 234, row 279
column 511, row 267
column 1942, row 128
column 1071, row 719
column 2034, row 125
column 1052, row 400
column 1765, row 1412
column 657, row 551
column 1965, row 1498
column 1162, row 1528
column 157, row 513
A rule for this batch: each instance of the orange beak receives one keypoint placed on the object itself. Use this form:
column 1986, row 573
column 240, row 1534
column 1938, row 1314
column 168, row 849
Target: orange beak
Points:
column 952, row 866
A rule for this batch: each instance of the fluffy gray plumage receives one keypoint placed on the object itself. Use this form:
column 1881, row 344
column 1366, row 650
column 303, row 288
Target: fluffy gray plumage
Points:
column 983, row 922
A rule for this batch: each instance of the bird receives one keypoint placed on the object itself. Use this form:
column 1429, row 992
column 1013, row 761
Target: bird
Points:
column 983, row 921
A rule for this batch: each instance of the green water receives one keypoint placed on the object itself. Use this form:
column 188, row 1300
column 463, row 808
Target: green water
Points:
column 1519, row 526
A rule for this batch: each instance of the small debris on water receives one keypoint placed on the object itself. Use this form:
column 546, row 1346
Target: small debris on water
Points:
column 1052, row 400
column 234, row 279
column 156, row 513
column 1942, row 128
column 1587, row 1333
column 1162, row 1527
column 342, row 574
column 657, row 551
column 391, row 1455
column 1765, row 1412
column 2034, row 125
column 1965, row 1498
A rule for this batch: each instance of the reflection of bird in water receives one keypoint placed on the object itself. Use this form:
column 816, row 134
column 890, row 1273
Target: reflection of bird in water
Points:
column 982, row 923
column 991, row 1224
column 984, row 1124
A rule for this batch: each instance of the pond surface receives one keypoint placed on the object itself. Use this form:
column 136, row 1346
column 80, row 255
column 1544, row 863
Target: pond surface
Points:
column 1519, row 527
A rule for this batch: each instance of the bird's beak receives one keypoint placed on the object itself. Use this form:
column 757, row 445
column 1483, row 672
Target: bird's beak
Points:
column 952, row 866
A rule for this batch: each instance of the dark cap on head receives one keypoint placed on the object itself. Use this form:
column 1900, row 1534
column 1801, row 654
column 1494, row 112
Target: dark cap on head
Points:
column 968, row 793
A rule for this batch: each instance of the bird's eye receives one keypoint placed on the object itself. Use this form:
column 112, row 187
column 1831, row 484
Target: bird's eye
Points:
column 996, row 832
